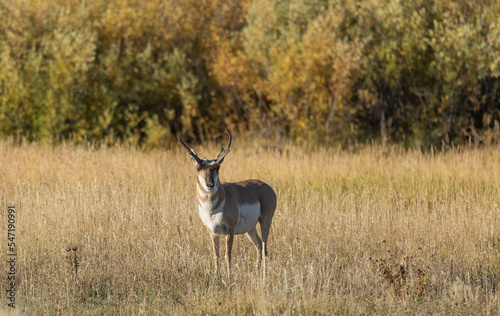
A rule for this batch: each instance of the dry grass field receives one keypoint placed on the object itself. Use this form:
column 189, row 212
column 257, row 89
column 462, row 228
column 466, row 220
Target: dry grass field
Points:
column 115, row 231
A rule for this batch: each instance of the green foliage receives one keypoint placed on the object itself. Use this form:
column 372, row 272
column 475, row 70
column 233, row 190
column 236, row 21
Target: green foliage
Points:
column 417, row 72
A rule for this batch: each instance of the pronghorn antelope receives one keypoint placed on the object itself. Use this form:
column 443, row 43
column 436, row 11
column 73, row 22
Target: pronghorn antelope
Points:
column 232, row 208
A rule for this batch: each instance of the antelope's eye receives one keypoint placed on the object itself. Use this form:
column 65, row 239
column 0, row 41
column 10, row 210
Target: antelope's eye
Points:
column 198, row 169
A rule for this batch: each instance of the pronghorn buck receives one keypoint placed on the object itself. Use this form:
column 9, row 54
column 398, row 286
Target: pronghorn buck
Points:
column 232, row 208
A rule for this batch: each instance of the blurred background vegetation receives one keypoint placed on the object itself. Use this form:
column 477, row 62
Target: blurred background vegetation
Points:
column 417, row 73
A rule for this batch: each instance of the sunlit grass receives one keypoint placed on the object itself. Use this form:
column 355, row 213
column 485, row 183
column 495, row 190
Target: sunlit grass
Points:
column 142, row 248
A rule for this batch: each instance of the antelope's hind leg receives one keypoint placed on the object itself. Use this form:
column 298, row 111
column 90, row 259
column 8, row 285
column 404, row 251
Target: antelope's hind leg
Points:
column 265, row 226
column 255, row 239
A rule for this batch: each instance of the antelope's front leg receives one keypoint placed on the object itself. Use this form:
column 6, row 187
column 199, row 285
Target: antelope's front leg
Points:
column 229, row 247
column 215, row 242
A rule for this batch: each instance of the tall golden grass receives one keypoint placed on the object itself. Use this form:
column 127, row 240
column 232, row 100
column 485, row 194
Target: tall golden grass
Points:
column 380, row 230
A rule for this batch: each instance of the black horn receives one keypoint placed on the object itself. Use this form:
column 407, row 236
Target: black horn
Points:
column 224, row 152
column 190, row 151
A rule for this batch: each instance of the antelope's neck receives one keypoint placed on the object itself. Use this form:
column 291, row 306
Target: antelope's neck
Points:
column 210, row 201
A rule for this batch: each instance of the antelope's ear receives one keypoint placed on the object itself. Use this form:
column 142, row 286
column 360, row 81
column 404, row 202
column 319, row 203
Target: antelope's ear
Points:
column 195, row 162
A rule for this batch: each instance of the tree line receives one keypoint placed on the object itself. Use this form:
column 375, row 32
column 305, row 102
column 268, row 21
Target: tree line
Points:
column 329, row 72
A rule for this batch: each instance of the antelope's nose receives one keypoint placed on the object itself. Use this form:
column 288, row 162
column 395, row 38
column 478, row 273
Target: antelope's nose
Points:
column 210, row 184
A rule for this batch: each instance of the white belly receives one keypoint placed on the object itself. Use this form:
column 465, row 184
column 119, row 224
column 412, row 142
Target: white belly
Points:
column 214, row 220
column 249, row 216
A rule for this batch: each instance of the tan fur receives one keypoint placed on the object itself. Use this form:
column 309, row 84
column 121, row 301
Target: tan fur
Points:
column 239, row 193
column 244, row 195
column 250, row 192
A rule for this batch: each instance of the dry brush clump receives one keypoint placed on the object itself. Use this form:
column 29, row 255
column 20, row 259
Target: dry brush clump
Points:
column 405, row 276
column 141, row 247
column 73, row 260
